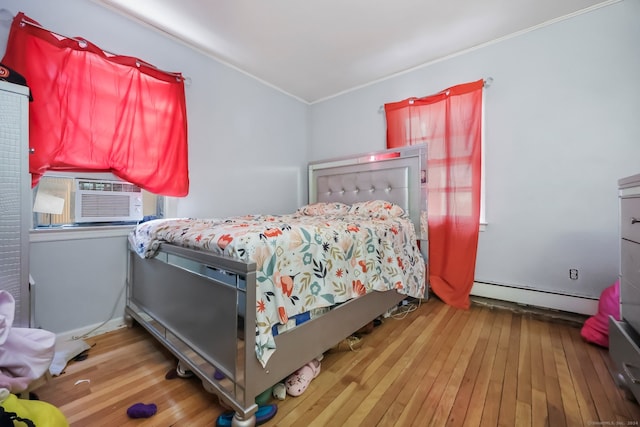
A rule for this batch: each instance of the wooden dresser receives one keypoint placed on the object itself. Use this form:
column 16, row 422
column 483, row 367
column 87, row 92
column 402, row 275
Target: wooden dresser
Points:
column 624, row 335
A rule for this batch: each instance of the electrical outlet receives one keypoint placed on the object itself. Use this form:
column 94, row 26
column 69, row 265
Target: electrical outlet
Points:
column 573, row 273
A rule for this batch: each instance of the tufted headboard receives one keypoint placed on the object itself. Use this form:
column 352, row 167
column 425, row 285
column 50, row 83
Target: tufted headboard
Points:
column 393, row 175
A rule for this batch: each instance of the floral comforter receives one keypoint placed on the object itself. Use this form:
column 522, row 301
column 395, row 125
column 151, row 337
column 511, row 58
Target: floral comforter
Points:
column 322, row 255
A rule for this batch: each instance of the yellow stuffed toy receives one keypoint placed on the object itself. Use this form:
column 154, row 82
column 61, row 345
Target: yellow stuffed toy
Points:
column 41, row 414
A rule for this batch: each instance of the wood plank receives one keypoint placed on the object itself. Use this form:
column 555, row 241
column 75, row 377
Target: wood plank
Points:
column 523, row 414
column 467, row 409
column 507, row 415
column 478, row 401
column 539, row 411
column 581, row 390
column 555, row 409
column 535, row 350
column 491, row 409
column 539, row 414
column 523, row 393
column 570, row 404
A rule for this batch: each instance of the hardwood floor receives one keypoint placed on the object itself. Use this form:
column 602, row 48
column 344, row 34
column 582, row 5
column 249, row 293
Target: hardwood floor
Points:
column 437, row 366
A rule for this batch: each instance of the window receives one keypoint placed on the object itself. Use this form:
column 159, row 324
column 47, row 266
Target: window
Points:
column 450, row 175
column 65, row 200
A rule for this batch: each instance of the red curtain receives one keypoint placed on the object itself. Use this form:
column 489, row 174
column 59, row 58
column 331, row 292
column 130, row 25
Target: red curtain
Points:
column 450, row 122
column 93, row 111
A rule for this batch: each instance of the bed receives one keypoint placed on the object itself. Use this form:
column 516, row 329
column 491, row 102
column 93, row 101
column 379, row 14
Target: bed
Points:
column 190, row 281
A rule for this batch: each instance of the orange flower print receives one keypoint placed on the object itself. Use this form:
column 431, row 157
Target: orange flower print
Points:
column 394, row 230
column 284, row 282
column 400, row 263
column 388, row 206
column 272, row 232
column 399, row 285
column 363, row 265
column 198, row 237
column 224, row 241
column 339, row 272
column 261, row 306
column 358, row 287
column 353, row 228
column 282, row 314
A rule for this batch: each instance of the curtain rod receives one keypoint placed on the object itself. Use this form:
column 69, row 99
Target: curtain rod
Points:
column 487, row 82
column 83, row 43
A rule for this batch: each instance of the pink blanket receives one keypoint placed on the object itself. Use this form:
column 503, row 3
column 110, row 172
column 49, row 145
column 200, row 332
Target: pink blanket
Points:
column 25, row 353
column 596, row 328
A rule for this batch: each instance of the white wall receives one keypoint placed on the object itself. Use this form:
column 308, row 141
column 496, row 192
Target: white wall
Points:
column 561, row 128
column 78, row 282
column 247, row 154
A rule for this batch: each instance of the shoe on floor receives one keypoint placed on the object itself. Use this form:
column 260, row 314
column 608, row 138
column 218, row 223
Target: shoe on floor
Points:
column 298, row 382
column 263, row 414
column 351, row 343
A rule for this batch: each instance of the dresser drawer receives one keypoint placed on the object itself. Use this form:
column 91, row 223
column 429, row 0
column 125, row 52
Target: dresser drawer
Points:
column 625, row 354
column 630, row 212
column 630, row 262
column 630, row 303
column 630, row 282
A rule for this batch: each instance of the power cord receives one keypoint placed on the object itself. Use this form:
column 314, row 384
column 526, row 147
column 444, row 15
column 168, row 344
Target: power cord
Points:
column 401, row 311
column 113, row 311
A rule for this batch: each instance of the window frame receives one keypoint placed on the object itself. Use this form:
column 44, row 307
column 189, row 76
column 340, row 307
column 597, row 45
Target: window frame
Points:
column 483, row 218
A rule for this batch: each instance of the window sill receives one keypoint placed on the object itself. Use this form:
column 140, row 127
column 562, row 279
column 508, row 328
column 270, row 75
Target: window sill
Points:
column 78, row 233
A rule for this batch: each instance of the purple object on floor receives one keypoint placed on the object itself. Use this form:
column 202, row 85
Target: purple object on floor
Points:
column 218, row 375
column 140, row 410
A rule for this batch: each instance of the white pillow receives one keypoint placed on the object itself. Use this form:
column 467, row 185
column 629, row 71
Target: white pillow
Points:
column 320, row 208
column 379, row 209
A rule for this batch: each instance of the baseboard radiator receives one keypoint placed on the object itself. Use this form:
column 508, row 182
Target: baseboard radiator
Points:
column 537, row 298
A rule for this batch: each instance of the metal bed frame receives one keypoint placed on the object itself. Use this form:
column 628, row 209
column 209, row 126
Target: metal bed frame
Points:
column 194, row 303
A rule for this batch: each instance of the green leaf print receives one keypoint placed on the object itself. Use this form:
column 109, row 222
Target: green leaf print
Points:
column 329, row 297
column 336, row 253
column 272, row 262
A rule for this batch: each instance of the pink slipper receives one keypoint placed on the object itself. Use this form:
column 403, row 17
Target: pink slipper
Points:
column 298, row 382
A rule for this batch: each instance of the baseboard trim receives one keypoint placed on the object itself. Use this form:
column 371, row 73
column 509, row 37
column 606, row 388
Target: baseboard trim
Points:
column 92, row 330
column 536, row 298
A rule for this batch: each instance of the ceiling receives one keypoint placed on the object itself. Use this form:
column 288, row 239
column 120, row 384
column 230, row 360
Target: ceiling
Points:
column 316, row 49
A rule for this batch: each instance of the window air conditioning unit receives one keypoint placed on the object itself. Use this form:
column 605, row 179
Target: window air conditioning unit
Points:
column 107, row 201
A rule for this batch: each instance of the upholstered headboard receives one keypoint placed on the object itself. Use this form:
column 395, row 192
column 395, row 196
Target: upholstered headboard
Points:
column 397, row 176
